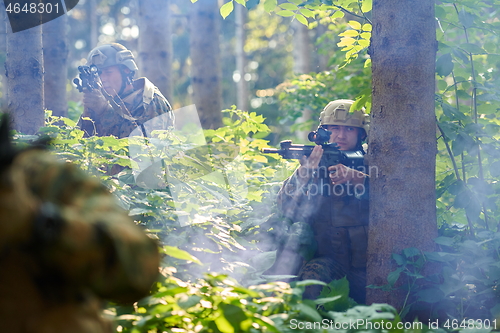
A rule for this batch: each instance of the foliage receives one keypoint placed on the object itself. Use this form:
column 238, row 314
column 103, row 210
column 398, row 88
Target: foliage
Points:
column 314, row 91
column 186, row 297
column 218, row 304
column 464, row 281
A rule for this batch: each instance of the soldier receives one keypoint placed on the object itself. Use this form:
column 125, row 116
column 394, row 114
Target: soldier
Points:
column 125, row 104
column 65, row 245
column 338, row 224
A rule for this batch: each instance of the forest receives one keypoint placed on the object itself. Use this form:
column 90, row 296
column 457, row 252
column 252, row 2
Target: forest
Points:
column 243, row 75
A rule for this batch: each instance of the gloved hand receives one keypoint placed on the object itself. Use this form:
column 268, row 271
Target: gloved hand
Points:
column 95, row 101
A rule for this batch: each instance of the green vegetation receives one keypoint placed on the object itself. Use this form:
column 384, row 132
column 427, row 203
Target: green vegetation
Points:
column 198, row 292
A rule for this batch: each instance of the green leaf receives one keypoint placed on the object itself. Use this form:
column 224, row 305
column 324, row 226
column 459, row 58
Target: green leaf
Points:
column 226, row 9
column 466, row 18
column 411, row 252
column 270, row 5
column 444, row 65
column 285, row 13
column 366, row 6
column 350, row 33
column 187, row 302
column 306, row 12
column 302, row 19
column 447, row 241
column 233, row 314
column 461, row 55
column 495, row 169
column 431, row 295
column 308, row 312
column 289, row 6
column 241, row 2
column 394, row 276
column 472, row 48
column 463, row 199
column 224, row 325
column 400, row 260
column 305, row 283
column 175, row 252
column 325, row 300
column 337, row 14
column 460, row 144
column 335, row 289
column 355, row 25
column 457, row 187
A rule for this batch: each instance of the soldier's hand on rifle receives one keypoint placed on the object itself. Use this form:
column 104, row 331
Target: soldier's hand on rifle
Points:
column 308, row 165
column 95, row 101
column 340, row 174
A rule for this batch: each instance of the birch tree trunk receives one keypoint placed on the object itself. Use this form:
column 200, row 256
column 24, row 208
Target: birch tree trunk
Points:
column 205, row 62
column 55, row 60
column 402, row 139
column 24, row 71
column 155, row 44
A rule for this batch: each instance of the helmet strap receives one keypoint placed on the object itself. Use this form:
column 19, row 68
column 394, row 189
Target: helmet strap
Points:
column 126, row 79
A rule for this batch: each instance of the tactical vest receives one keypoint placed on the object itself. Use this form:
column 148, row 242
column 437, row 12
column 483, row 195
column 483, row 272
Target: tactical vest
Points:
column 340, row 226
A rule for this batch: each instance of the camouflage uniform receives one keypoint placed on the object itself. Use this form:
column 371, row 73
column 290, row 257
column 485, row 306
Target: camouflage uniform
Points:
column 145, row 103
column 64, row 245
column 337, row 221
column 339, row 224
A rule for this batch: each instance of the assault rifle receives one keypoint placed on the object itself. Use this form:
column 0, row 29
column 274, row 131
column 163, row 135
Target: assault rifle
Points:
column 88, row 78
column 332, row 155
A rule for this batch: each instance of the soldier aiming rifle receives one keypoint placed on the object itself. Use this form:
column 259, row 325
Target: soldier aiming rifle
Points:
column 327, row 239
column 116, row 103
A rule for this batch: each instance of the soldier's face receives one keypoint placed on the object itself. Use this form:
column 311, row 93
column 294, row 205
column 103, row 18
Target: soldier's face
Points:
column 345, row 136
column 111, row 78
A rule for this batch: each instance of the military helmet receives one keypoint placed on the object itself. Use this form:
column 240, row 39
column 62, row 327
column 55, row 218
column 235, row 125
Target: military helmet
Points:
column 111, row 55
column 339, row 112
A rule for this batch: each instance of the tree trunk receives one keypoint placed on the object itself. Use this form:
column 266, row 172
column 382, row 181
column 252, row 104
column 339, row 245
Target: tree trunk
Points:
column 205, row 62
column 55, row 57
column 94, row 24
column 301, row 48
column 302, row 65
column 24, row 71
column 155, row 44
column 241, row 57
column 4, row 24
column 402, row 140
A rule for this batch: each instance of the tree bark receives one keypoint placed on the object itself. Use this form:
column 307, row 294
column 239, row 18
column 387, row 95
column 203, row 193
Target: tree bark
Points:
column 301, row 48
column 94, row 24
column 155, row 44
column 205, row 62
column 24, row 71
column 55, row 58
column 4, row 24
column 241, row 57
column 402, row 139
column 302, row 58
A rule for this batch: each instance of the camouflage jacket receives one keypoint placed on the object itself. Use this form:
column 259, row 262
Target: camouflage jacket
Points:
column 65, row 245
column 338, row 222
column 145, row 103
